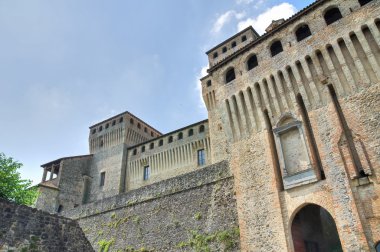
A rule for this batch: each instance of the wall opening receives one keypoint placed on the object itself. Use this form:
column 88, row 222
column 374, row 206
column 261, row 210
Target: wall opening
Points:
column 201, row 157
column 303, row 32
column 252, row 62
column 364, row 2
column 230, row 75
column 102, row 178
column 276, row 48
column 332, row 15
column 313, row 230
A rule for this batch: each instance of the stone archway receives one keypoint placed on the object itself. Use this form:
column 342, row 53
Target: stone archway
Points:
column 314, row 230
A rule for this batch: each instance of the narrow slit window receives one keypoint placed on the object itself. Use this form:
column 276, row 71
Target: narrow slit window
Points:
column 102, row 178
column 201, row 157
column 146, row 172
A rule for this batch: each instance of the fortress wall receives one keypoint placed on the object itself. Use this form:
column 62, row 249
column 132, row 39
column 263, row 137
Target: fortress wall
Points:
column 24, row 228
column 168, row 159
column 166, row 215
column 246, row 113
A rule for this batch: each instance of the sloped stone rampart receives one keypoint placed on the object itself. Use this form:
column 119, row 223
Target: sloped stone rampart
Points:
column 24, row 228
column 193, row 212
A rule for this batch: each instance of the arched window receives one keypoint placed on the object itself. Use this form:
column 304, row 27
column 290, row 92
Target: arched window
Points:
column 107, row 125
column 180, row 135
column 215, row 55
column 224, row 49
column 121, row 120
column 101, row 143
column 377, row 247
column 244, row 38
column 151, row 134
column 145, row 130
column 332, row 15
column 131, row 121
column 303, row 32
column 208, row 83
column 100, row 128
column 201, row 128
column 113, row 123
column 191, row 132
column 230, row 75
column 139, row 125
column 134, row 152
column 170, row 139
column 93, row 131
column 233, row 44
column 60, row 208
column 276, row 48
column 161, row 142
column 143, row 149
column 364, row 2
column 252, row 62
column 151, row 146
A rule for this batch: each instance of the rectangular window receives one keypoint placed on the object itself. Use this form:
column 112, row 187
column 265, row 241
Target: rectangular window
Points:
column 102, row 178
column 201, row 157
column 146, row 172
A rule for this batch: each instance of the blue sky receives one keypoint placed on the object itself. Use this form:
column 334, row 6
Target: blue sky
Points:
column 65, row 65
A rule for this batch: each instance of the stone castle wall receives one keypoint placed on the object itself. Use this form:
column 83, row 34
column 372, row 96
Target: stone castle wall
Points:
column 171, row 215
column 26, row 229
column 338, row 134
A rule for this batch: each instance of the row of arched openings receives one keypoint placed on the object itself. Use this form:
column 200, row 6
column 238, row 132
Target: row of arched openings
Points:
column 190, row 133
column 302, row 31
column 233, row 44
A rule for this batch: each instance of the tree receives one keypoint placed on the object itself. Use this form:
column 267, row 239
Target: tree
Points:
column 12, row 187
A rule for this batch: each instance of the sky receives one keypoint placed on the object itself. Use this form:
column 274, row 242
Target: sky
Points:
column 65, row 65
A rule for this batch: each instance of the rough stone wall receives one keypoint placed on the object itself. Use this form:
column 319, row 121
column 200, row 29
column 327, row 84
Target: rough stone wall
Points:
column 110, row 161
column 344, row 54
column 26, row 229
column 193, row 211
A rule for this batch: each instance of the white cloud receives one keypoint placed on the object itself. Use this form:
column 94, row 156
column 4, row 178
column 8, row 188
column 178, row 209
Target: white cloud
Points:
column 202, row 73
column 244, row 1
column 283, row 10
column 225, row 18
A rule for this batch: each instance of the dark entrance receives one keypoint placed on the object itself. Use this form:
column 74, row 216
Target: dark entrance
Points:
column 314, row 230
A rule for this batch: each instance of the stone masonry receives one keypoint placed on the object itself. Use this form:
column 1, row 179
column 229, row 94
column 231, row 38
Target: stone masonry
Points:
column 290, row 150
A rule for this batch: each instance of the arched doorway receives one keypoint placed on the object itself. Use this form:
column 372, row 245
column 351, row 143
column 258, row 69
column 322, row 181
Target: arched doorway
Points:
column 314, row 230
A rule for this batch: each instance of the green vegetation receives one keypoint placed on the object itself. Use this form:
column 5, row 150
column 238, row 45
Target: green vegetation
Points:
column 198, row 216
column 105, row 245
column 201, row 242
column 12, row 187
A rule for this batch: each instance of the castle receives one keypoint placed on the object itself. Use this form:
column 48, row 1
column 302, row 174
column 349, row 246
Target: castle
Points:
column 290, row 152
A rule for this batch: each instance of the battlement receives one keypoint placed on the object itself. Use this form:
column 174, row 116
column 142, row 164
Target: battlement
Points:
column 169, row 155
column 123, row 128
column 232, row 45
